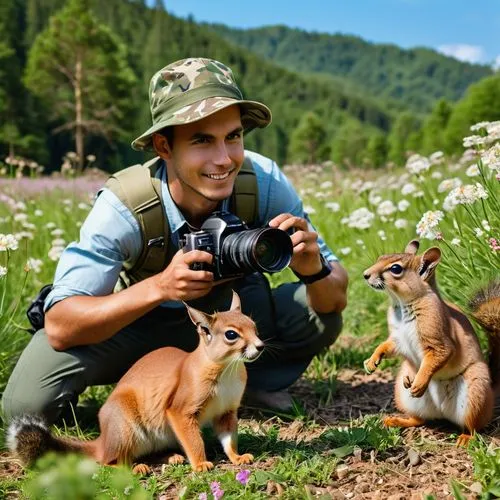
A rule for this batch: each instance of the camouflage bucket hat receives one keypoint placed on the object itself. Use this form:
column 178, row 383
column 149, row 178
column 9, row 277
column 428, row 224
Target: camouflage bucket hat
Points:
column 192, row 89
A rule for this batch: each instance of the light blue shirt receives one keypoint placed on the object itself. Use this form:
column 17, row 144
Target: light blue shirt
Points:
column 111, row 235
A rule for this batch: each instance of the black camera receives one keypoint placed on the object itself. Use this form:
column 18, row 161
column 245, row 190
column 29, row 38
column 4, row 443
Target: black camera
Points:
column 238, row 250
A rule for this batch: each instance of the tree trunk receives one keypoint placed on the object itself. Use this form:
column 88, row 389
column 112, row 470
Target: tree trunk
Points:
column 79, row 132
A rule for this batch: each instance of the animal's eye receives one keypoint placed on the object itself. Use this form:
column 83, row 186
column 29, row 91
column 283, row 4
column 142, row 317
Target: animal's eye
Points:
column 231, row 335
column 396, row 269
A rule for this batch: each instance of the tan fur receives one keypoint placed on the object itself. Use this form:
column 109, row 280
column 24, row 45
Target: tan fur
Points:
column 444, row 374
column 168, row 395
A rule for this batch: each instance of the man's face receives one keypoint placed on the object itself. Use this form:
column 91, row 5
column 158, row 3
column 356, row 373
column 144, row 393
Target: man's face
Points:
column 204, row 158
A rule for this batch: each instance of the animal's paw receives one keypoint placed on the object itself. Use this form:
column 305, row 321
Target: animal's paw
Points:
column 417, row 390
column 463, row 440
column 407, row 381
column 141, row 469
column 203, row 466
column 391, row 422
column 371, row 364
column 175, row 459
column 246, row 458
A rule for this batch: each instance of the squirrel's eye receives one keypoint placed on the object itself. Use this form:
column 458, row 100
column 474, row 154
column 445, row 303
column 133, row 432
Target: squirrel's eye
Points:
column 231, row 335
column 396, row 269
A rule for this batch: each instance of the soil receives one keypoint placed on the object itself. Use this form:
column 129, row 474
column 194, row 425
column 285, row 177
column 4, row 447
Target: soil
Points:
column 424, row 464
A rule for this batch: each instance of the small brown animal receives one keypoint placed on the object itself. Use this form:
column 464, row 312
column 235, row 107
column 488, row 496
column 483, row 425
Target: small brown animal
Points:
column 164, row 400
column 444, row 374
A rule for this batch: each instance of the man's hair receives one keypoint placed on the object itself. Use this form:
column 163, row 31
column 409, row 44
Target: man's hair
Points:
column 168, row 133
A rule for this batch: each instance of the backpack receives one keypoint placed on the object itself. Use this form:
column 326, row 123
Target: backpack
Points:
column 140, row 191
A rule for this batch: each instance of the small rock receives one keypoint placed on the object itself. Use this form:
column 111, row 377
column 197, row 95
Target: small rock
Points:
column 342, row 471
column 476, row 488
column 362, row 488
column 357, row 454
column 414, row 457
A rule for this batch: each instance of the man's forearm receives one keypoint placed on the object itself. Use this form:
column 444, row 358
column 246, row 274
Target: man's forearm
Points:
column 83, row 320
column 330, row 293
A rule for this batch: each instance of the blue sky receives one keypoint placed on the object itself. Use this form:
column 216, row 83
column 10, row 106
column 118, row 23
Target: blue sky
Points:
column 461, row 28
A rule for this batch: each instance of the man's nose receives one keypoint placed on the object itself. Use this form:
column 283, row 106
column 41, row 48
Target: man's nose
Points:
column 222, row 156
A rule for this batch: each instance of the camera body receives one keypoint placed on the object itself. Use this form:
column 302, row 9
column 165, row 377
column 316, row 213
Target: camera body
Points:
column 238, row 250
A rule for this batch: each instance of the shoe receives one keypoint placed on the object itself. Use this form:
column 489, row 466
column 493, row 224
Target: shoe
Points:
column 278, row 400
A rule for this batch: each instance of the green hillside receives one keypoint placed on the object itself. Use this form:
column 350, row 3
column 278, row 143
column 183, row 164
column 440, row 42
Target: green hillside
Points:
column 418, row 77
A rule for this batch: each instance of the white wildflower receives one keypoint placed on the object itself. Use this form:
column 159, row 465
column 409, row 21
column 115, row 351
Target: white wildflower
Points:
column 479, row 126
column 387, row 207
column 449, row 184
column 38, row 213
column 465, row 195
column 418, row 194
column 403, row 205
column 491, row 158
column 436, row 175
column 326, row 185
column 427, row 227
column 3, row 271
column 33, row 265
column 474, row 140
column 417, row 164
column 486, row 225
column 361, row 218
column 360, row 242
column 50, row 225
column 91, row 158
column 307, row 209
column 55, row 253
column 401, row 223
column 8, row 242
column 436, row 158
column 478, row 232
column 345, row 250
column 381, row 235
column 333, row 206
column 20, row 217
column 408, row 188
column 455, row 241
column 57, row 232
column 472, row 171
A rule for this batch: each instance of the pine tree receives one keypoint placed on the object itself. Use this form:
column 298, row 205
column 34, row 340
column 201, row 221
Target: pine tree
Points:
column 307, row 142
column 376, row 150
column 403, row 127
column 349, row 143
column 433, row 130
column 79, row 68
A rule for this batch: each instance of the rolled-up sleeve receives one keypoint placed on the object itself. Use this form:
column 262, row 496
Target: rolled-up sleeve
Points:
column 109, row 236
column 277, row 196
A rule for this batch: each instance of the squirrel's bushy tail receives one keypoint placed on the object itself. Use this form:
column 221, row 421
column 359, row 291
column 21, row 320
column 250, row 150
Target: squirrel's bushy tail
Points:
column 485, row 308
column 29, row 437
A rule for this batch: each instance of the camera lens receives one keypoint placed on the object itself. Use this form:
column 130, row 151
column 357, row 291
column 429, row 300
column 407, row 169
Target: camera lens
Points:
column 264, row 250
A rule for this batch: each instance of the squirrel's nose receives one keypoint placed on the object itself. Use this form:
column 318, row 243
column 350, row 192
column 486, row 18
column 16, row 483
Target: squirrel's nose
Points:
column 259, row 346
column 366, row 275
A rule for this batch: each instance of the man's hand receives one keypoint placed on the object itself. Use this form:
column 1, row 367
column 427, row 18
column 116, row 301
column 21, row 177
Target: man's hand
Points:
column 306, row 255
column 179, row 282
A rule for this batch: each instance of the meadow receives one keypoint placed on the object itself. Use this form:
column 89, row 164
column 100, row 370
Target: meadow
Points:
column 333, row 445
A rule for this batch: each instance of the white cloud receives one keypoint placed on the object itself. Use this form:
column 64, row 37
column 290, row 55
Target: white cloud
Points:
column 463, row 52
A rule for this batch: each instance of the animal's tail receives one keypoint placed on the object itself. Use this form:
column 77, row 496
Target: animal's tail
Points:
column 485, row 307
column 29, row 437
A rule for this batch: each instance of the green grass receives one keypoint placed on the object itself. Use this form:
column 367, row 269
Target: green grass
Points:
column 283, row 465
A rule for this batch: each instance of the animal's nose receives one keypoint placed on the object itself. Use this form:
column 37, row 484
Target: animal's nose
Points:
column 259, row 346
column 366, row 275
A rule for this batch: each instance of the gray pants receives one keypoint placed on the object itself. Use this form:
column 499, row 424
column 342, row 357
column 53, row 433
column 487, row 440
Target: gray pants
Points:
column 45, row 381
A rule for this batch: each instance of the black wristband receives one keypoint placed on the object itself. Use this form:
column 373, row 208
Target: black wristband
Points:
column 326, row 268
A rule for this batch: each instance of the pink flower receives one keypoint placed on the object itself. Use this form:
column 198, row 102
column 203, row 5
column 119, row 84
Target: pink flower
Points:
column 217, row 492
column 202, row 496
column 494, row 244
column 243, row 476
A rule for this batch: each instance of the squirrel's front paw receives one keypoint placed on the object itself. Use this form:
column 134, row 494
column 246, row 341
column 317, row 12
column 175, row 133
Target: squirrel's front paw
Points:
column 371, row 364
column 203, row 466
column 407, row 381
column 417, row 390
column 246, row 458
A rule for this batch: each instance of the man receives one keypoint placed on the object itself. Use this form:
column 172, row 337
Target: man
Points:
column 92, row 336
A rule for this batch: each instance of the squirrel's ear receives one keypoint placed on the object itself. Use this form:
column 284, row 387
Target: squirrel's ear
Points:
column 198, row 317
column 412, row 247
column 235, row 303
column 430, row 259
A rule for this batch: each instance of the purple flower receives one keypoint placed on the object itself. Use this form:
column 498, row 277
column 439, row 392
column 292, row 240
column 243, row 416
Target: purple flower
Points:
column 202, row 496
column 243, row 476
column 217, row 492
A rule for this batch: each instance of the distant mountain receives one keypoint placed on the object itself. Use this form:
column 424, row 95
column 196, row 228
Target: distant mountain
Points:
column 418, row 77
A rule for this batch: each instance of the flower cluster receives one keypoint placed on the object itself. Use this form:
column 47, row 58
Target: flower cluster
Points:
column 427, row 227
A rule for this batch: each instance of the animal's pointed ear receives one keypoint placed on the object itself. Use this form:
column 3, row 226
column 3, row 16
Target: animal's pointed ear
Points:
column 429, row 260
column 235, row 302
column 412, row 247
column 202, row 322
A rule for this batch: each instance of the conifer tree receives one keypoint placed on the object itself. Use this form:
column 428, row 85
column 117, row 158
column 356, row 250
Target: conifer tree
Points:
column 307, row 142
column 376, row 150
column 433, row 130
column 403, row 127
column 79, row 68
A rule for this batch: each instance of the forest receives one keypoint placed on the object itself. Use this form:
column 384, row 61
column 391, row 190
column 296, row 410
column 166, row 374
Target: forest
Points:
column 334, row 97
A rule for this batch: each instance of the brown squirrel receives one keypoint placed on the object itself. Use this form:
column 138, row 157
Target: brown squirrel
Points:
column 444, row 374
column 164, row 400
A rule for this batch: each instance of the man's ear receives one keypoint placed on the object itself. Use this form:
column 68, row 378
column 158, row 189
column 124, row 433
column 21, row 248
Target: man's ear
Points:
column 161, row 145
column 235, row 303
column 412, row 247
column 429, row 260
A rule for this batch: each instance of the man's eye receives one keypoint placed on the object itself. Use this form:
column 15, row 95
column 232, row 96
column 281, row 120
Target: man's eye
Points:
column 233, row 137
column 201, row 140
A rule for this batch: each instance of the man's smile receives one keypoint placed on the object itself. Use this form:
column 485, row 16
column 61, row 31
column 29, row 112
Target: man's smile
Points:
column 219, row 177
